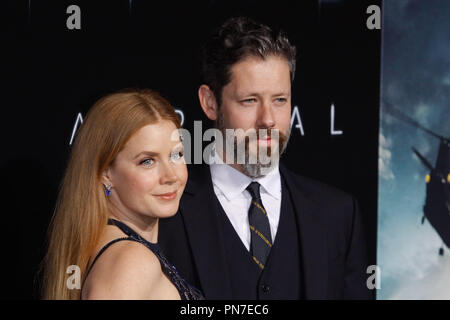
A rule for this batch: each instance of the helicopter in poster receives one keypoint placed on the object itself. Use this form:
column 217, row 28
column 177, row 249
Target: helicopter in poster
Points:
column 437, row 201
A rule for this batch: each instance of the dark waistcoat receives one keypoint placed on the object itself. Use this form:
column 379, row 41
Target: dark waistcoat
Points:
column 281, row 277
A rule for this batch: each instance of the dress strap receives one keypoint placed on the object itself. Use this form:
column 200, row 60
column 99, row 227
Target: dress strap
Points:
column 106, row 246
column 133, row 234
column 122, row 226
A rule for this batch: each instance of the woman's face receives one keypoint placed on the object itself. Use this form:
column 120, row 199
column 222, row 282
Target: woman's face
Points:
column 149, row 175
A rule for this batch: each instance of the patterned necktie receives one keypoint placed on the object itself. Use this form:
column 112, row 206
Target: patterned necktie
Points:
column 261, row 240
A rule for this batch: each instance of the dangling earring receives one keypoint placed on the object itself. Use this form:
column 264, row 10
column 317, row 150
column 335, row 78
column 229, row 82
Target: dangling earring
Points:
column 108, row 189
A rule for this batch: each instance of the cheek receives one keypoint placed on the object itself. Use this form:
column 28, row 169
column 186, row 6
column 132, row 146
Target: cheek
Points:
column 182, row 173
column 137, row 182
column 145, row 182
column 244, row 119
column 284, row 119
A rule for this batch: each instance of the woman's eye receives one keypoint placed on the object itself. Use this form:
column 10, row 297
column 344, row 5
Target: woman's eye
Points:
column 147, row 162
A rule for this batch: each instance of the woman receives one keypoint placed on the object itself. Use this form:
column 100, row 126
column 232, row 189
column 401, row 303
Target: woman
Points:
column 125, row 172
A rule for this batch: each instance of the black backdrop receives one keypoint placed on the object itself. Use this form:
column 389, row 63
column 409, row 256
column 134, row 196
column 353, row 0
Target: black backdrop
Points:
column 50, row 74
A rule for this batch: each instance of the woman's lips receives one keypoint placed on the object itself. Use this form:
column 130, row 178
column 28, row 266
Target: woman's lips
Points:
column 167, row 196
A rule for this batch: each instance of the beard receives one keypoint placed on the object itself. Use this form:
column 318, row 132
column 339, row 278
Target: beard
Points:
column 258, row 160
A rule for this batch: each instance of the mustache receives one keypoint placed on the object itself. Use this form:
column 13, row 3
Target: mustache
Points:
column 266, row 133
column 261, row 133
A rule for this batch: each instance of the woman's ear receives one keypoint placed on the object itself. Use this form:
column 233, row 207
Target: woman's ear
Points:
column 106, row 177
column 208, row 102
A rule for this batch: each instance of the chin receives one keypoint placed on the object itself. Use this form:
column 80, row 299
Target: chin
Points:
column 167, row 212
column 272, row 153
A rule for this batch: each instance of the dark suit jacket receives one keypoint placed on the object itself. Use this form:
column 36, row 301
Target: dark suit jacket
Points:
column 333, row 247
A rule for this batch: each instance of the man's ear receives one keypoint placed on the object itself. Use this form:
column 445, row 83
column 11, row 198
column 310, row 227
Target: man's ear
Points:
column 208, row 102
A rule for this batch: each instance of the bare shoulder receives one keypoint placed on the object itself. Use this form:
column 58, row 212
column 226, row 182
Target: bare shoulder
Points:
column 126, row 270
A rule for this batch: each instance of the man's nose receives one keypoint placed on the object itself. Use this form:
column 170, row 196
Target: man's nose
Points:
column 266, row 117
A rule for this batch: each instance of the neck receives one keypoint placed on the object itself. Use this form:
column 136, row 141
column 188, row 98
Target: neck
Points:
column 239, row 167
column 145, row 226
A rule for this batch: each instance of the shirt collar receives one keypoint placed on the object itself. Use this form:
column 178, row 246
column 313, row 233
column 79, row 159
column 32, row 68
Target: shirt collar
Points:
column 271, row 182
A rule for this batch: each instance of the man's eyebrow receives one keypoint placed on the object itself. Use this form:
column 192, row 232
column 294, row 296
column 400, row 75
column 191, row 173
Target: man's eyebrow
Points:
column 148, row 153
column 256, row 94
column 250, row 94
column 282, row 93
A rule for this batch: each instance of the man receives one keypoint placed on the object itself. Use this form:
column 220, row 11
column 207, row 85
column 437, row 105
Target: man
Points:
column 257, row 230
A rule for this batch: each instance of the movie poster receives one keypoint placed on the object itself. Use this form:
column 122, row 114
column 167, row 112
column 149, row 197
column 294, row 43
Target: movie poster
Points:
column 414, row 181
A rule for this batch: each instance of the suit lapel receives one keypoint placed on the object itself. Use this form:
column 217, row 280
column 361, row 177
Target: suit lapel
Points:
column 199, row 212
column 313, row 240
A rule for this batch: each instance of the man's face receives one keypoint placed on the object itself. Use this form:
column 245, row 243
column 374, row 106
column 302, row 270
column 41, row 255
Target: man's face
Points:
column 258, row 97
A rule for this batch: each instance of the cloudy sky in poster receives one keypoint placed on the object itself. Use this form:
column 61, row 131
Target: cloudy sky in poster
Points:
column 416, row 80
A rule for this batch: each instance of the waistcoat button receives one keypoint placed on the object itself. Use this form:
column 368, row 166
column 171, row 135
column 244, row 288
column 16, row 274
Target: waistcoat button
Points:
column 266, row 288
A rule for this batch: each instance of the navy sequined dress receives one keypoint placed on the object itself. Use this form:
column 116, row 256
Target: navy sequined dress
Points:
column 186, row 291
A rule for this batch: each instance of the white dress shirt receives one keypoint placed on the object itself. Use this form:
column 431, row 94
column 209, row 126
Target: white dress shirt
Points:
column 230, row 188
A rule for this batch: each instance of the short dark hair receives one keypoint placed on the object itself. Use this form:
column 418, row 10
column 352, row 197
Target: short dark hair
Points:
column 235, row 40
